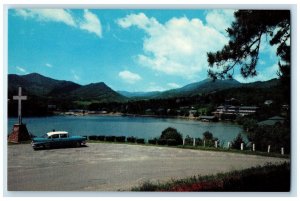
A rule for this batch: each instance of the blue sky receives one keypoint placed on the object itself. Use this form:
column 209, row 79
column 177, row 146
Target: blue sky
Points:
column 133, row 50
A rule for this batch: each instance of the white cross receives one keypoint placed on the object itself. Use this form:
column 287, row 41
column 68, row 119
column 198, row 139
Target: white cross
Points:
column 20, row 98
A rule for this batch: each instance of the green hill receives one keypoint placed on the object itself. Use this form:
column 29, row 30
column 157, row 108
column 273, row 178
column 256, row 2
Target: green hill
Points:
column 40, row 86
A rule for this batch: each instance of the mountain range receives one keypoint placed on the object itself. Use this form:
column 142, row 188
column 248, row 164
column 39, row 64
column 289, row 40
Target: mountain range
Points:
column 204, row 86
column 41, row 86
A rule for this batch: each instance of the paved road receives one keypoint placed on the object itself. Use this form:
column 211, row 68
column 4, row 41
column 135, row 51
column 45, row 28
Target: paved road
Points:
column 112, row 167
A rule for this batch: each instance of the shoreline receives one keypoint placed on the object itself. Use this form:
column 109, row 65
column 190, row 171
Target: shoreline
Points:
column 119, row 114
column 132, row 115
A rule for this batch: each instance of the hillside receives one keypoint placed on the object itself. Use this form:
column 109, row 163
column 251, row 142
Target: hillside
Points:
column 96, row 91
column 34, row 84
column 197, row 88
column 40, row 86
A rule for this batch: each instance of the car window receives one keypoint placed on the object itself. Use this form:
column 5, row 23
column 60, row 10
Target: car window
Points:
column 55, row 136
column 63, row 135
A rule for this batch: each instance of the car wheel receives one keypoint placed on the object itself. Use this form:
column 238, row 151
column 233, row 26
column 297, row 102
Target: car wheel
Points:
column 46, row 146
column 76, row 144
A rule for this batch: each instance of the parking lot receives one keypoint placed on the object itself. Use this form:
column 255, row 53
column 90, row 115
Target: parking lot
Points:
column 113, row 167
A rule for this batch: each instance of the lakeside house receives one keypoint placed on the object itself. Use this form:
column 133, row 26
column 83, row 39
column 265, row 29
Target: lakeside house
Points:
column 230, row 111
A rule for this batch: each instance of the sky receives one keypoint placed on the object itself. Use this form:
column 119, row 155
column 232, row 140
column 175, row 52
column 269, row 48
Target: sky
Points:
column 128, row 49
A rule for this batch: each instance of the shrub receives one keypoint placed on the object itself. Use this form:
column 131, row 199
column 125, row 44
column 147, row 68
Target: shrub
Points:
column 153, row 141
column 207, row 135
column 236, row 143
column 199, row 141
column 277, row 136
column 209, row 139
column 120, row 138
column 110, row 138
column 188, row 140
column 171, row 142
column 93, row 137
column 161, row 141
column 101, row 137
column 131, row 139
column 172, row 133
column 140, row 141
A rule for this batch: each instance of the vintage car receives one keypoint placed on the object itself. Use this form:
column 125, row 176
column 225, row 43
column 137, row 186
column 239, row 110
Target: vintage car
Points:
column 57, row 139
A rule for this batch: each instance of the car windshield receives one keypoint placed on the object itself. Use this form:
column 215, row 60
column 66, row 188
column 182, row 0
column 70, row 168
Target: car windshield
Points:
column 45, row 136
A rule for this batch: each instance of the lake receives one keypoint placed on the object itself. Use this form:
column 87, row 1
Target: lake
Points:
column 142, row 127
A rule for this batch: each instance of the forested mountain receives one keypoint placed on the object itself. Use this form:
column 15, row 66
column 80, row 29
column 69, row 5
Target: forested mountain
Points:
column 198, row 88
column 41, row 86
column 44, row 93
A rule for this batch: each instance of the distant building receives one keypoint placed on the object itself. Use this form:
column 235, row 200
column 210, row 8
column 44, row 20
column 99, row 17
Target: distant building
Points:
column 232, row 111
column 246, row 110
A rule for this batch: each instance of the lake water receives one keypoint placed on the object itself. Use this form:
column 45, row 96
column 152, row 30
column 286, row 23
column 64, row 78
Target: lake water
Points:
column 142, row 127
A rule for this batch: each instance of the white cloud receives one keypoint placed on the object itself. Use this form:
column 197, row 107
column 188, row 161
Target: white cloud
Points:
column 173, row 85
column 177, row 47
column 48, row 65
column 91, row 23
column 55, row 15
column 129, row 77
column 220, row 19
column 21, row 69
column 152, row 86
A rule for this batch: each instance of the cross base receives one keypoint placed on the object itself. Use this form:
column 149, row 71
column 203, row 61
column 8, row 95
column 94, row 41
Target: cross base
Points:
column 19, row 134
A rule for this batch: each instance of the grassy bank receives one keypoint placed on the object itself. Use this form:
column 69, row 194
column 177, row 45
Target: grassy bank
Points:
column 269, row 178
column 202, row 148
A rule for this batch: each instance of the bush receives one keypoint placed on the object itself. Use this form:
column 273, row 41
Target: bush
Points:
column 153, row 141
column 162, row 142
column 277, row 136
column 209, row 139
column 171, row 133
column 131, row 139
column 140, row 141
column 236, row 143
column 101, row 137
column 93, row 137
column 207, row 135
column 199, row 141
column 171, row 142
column 110, row 138
column 188, row 140
column 120, row 138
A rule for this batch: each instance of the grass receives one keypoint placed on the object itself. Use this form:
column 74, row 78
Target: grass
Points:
column 201, row 148
column 268, row 178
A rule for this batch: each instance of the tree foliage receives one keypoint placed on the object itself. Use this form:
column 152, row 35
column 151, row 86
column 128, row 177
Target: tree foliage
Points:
column 277, row 136
column 171, row 134
column 236, row 143
column 209, row 139
column 242, row 50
